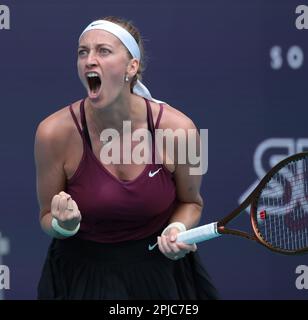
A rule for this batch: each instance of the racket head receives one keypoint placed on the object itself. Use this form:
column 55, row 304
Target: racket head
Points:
column 279, row 211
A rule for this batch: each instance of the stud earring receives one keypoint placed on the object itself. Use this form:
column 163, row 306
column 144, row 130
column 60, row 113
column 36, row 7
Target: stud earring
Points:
column 126, row 78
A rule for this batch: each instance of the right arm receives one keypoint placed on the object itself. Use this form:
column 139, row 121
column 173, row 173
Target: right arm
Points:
column 49, row 158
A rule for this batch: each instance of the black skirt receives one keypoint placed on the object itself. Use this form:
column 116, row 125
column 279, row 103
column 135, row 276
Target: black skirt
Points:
column 79, row 269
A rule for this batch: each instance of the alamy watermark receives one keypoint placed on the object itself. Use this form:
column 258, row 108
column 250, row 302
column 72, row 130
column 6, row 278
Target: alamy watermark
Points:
column 301, row 21
column 4, row 277
column 301, row 281
column 4, row 270
column 4, row 17
column 180, row 146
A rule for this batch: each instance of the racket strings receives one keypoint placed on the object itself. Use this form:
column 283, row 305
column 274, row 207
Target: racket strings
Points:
column 284, row 200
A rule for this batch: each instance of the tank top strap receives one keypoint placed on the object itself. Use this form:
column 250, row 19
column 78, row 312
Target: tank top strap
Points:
column 150, row 118
column 151, row 125
column 84, row 124
column 84, row 132
column 161, row 108
column 75, row 120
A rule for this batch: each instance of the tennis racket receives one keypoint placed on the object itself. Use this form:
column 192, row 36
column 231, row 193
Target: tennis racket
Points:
column 278, row 210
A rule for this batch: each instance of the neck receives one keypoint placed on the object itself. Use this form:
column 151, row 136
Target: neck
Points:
column 113, row 114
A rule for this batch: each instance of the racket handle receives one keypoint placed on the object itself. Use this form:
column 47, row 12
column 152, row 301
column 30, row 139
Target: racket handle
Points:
column 195, row 235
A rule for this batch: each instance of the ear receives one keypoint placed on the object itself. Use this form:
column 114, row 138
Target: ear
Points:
column 132, row 67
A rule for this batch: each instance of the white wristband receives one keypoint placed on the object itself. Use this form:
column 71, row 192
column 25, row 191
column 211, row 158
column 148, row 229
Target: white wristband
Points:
column 62, row 231
column 179, row 225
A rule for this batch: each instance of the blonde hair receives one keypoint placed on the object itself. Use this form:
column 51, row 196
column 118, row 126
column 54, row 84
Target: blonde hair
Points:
column 128, row 25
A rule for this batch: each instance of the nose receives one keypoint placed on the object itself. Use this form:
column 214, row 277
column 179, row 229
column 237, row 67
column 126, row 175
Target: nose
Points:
column 91, row 60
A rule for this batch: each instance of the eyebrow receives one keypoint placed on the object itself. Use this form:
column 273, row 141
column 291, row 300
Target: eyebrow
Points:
column 96, row 46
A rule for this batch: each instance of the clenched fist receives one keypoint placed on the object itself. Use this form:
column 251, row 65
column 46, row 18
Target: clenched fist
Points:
column 65, row 210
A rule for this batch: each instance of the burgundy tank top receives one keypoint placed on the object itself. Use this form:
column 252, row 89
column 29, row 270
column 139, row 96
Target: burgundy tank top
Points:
column 114, row 210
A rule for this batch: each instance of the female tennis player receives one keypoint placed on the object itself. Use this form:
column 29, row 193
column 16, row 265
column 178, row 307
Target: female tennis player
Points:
column 104, row 217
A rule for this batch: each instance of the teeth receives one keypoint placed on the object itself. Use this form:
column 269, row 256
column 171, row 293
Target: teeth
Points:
column 92, row 74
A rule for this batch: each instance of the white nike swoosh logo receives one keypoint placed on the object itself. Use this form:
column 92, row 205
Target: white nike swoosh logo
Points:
column 152, row 247
column 95, row 24
column 152, row 174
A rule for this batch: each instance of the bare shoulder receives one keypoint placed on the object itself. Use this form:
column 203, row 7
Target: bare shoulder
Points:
column 174, row 119
column 56, row 129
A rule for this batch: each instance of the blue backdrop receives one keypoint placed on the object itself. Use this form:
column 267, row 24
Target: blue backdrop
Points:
column 237, row 68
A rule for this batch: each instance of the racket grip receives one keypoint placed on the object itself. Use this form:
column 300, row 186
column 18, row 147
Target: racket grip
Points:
column 195, row 235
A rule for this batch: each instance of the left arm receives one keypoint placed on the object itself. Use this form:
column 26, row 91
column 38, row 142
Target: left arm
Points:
column 190, row 204
column 188, row 194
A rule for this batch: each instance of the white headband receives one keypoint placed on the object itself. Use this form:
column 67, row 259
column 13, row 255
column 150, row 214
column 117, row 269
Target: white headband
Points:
column 129, row 42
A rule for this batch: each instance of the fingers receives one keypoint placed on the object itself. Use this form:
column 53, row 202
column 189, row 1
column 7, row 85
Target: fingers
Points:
column 59, row 204
column 73, row 211
column 168, row 246
column 55, row 206
column 70, row 204
column 174, row 250
column 172, row 234
column 64, row 194
column 181, row 245
column 187, row 247
column 64, row 208
column 165, row 249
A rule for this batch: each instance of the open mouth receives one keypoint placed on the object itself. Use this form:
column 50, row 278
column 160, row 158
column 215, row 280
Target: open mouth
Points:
column 94, row 82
